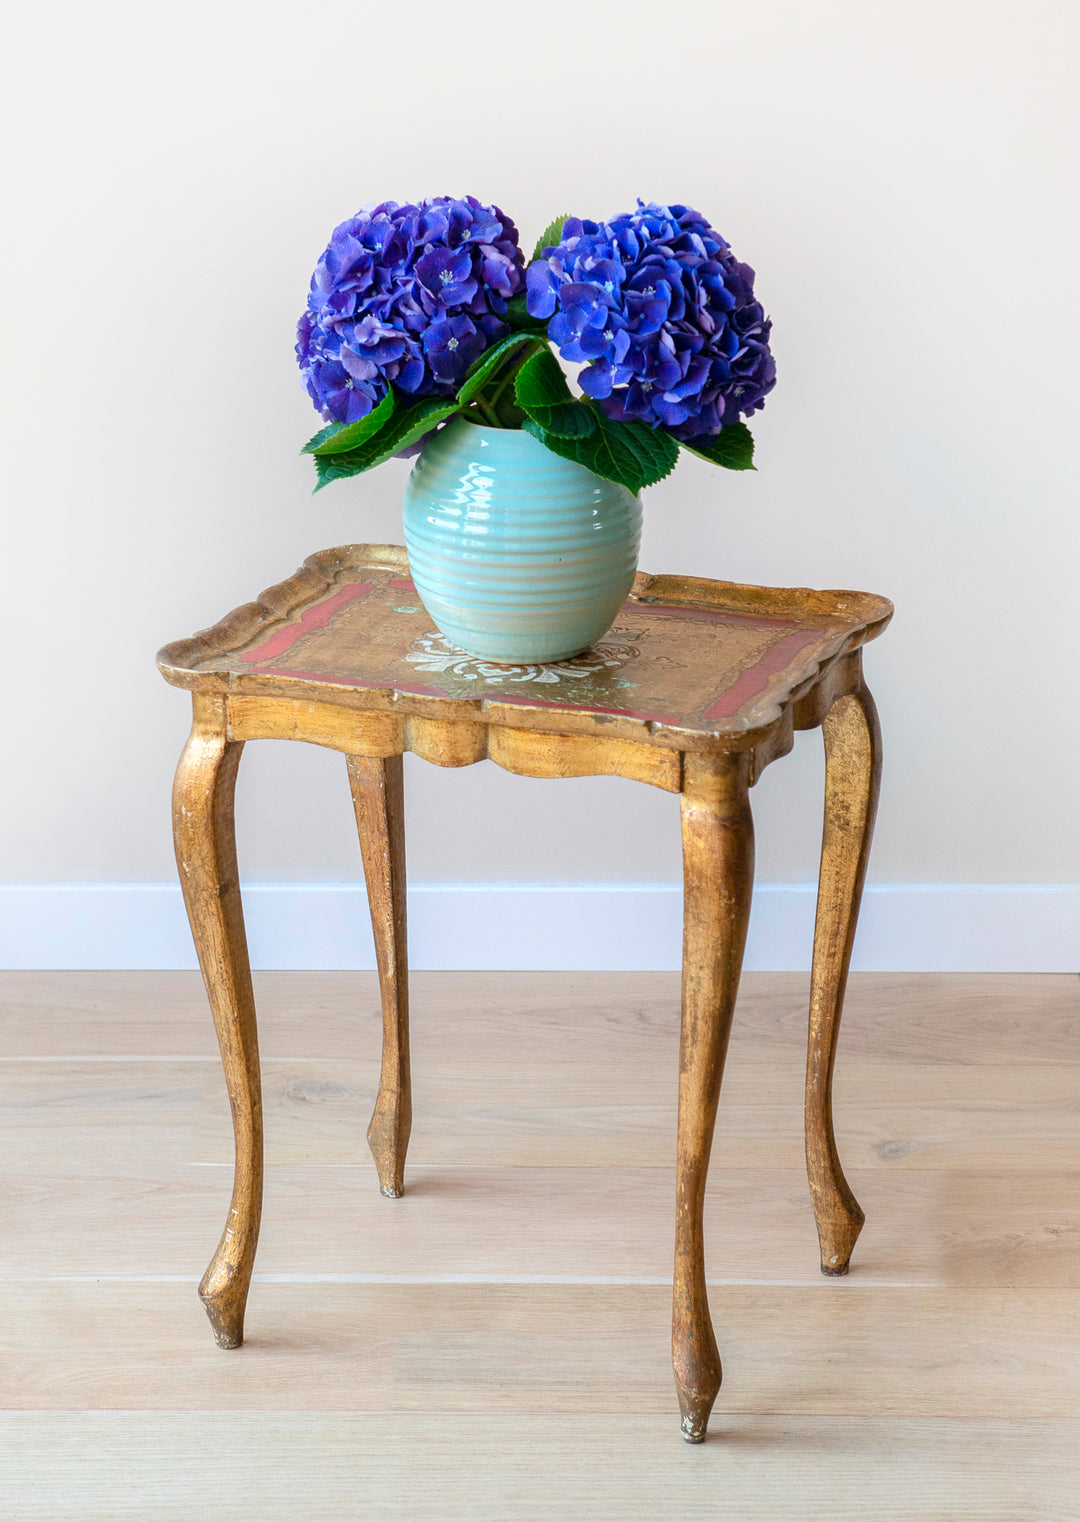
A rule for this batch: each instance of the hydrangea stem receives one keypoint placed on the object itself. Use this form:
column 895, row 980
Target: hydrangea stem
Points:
column 485, row 412
column 488, row 400
column 493, row 399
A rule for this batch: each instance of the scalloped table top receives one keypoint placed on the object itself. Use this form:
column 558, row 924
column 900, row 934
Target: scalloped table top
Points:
column 687, row 658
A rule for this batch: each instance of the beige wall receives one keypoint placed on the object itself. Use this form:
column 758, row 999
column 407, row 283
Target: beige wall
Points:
column 901, row 176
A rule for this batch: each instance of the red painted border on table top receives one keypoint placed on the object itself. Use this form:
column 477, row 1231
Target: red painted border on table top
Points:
column 316, row 616
column 755, row 679
column 709, row 615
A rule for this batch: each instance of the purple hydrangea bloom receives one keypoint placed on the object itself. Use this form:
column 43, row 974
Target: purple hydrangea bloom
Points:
column 661, row 314
column 408, row 296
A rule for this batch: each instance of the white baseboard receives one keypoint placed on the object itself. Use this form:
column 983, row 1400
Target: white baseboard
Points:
column 917, row 927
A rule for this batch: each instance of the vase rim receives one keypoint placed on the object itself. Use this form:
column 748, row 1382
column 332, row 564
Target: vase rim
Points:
column 496, row 433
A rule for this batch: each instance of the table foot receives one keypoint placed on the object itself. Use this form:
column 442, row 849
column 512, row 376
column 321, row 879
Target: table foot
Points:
column 388, row 1138
column 840, row 1219
column 224, row 1304
column 695, row 1415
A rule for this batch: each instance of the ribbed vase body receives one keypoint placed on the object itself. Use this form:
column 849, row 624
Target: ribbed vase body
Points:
column 517, row 554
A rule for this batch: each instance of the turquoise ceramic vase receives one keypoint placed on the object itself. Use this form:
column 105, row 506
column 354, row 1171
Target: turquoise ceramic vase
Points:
column 517, row 554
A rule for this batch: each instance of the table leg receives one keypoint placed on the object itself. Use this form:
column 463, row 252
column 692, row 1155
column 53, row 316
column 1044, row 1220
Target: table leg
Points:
column 852, row 776
column 378, row 798
column 206, row 856
column 718, row 873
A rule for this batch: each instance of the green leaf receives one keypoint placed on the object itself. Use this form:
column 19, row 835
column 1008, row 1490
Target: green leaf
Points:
column 509, row 415
column 404, row 428
column 551, row 235
column 629, row 453
column 488, row 362
column 541, row 382
column 543, row 395
column 338, row 437
column 321, row 437
column 571, row 420
column 732, row 447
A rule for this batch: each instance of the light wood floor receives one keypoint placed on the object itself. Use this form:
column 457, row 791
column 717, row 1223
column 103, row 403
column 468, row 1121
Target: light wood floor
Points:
column 494, row 1346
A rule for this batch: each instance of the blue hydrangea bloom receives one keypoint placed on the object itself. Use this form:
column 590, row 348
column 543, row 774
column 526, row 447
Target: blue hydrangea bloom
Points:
column 661, row 314
column 407, row 296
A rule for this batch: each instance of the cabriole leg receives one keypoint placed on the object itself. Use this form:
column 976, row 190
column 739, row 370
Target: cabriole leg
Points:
column 206, row 857
column 852, row 776
column 718, row 872
column 378, row 798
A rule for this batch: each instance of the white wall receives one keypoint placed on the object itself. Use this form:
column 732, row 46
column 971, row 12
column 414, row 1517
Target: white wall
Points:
column 901, row 176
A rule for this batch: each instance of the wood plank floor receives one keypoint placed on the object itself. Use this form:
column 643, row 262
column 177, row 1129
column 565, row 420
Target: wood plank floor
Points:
column 493, row 1347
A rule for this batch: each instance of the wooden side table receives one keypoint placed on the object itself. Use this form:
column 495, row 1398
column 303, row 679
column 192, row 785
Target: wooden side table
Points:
column 698, row 686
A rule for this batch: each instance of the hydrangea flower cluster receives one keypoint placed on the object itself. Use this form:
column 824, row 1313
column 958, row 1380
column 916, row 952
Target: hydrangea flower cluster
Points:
column 407, row 296
column 663, row 316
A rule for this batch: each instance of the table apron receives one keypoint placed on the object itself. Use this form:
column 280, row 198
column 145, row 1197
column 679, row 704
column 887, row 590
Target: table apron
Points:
column 446, row 742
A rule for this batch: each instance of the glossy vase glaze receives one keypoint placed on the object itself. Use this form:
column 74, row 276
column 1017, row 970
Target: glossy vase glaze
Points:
column 517, row 554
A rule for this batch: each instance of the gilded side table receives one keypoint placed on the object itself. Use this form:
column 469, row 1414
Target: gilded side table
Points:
column 697, row 687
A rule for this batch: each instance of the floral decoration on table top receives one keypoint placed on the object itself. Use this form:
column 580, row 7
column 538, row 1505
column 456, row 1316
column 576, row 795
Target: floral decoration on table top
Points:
column 434, row 652
column 421, row 313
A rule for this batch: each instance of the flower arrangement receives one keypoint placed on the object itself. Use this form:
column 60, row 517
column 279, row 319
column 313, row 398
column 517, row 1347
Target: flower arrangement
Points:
column 418, row 313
